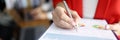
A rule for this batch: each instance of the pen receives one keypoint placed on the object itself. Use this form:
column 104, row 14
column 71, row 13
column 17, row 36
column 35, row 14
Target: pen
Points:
column 69, row 13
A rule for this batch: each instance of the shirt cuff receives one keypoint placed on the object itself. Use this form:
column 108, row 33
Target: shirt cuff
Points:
column 49, row 15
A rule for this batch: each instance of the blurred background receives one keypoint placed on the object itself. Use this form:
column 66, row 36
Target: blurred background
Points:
column 24, row 19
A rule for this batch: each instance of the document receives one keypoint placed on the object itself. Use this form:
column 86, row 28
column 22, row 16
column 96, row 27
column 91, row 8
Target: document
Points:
column 83, row 33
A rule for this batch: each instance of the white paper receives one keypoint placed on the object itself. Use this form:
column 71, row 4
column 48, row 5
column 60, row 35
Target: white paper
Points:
column 83, row 32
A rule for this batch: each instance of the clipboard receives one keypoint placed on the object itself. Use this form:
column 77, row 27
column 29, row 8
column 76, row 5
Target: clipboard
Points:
column 84, row 33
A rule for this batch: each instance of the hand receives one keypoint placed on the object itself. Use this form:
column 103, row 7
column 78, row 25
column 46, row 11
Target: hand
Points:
column 115, row 27
column 61, row 18
column 38, row 13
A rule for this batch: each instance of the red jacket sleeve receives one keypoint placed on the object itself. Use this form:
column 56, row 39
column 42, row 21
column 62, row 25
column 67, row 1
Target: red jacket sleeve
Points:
column 108, row 10
column 113, row 12
column 73, row 4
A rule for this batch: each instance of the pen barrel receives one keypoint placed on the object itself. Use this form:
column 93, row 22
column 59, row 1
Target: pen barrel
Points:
column 67, row 9
column 70, row 15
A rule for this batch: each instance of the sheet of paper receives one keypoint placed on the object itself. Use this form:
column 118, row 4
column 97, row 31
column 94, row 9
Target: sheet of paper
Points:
column 83, row 33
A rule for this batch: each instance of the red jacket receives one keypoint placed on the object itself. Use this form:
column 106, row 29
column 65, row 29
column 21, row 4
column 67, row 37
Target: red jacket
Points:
column 106, row 9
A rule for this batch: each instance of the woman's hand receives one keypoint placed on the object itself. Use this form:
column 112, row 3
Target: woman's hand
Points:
column 61, row 18
column 115, row 27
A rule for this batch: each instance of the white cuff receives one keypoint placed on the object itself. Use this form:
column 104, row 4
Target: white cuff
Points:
column 107, row 27
column 49, row 15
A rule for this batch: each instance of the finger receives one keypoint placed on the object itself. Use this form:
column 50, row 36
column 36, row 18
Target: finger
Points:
column 67, row 19
column 62, row 15
column 75, row 15
column 59, row 10
column 55, row 17
column 64, row 25
column 60, row 23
